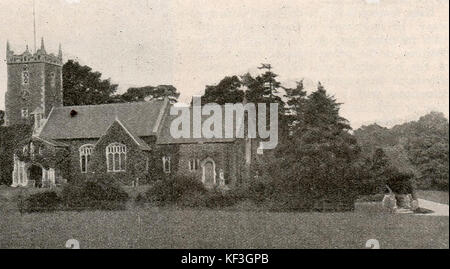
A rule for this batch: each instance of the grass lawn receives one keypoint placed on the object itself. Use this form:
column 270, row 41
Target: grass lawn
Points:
column 187, row 228
column 434, row 196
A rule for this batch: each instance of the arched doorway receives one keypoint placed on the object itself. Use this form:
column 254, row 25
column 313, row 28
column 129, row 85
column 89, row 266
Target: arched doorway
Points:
column 209, row 172
column 35, row 174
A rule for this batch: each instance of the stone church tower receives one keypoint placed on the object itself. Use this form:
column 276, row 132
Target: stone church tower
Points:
column 34, row 86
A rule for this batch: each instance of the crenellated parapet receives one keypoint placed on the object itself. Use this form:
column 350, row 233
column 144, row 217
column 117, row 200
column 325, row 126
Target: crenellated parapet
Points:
column 40, row 56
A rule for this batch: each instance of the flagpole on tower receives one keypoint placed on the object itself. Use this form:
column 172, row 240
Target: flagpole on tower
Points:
column 34, row 24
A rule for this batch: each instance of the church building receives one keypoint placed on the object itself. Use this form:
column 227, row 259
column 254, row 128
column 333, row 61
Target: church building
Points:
column 126, row 142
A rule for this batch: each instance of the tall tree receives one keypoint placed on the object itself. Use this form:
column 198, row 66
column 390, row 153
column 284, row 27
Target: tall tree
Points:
column 322, row 111
column 228, row 90
column 82, row 86
column 264, row 87
column 428, row 148
column 320, row 158
column 148, row 93
column 296, row 105
column 379, row 171
column 260, row 89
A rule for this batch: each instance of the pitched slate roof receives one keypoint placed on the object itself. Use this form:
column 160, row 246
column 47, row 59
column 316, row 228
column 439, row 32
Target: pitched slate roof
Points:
column 92, row 121
column 164, row 136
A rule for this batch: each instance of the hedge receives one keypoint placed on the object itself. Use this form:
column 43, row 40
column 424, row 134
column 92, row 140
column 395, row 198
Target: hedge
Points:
column 85, row 196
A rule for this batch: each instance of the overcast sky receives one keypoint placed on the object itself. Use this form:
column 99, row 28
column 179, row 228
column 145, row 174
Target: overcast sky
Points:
column 387, row 61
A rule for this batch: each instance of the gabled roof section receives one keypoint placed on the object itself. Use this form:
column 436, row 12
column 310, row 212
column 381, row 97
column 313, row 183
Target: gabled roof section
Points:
column 139, row 142
column 51, row 142
column 44, row 140
column 92, row 121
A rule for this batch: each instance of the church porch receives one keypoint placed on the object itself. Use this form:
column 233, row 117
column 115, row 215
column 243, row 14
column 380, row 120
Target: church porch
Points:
column 29, row 174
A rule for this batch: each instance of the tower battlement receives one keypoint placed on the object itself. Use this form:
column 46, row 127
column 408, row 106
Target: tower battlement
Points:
column 40, row 56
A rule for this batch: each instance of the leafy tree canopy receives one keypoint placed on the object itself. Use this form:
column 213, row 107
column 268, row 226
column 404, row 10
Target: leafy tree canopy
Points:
column 148, row 93
column 260, row 89
column 82, row 86
column 228, row 90
column 417, row 147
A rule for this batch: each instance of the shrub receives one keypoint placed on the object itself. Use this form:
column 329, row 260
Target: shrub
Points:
column 73, row 196
column 103, row 191
column 188, row 192
column 181, row 190
column 39, row 202
column 257, row 190
column 187, row 185
column 161, row 192
column 94, row 195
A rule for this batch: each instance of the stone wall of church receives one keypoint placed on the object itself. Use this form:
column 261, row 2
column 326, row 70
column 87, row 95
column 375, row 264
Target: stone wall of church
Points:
column 226, row 156
column 74, row 167
column 161, row 151
column 230, row 157
column 136, row 159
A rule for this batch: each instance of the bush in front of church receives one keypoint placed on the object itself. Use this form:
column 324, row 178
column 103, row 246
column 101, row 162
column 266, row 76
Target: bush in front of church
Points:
column 39, row 202
column 189, row 192
column 100, row 194
column 182, row 191
column 185, row 192
column 162, row 192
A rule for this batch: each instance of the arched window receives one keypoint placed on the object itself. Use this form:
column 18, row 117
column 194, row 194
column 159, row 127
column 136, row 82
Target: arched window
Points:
column 116, row 156
column 85, row 156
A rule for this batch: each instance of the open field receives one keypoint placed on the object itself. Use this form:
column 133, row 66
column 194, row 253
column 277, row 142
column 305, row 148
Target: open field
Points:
column 435, row 196
column 186, row 228
column 169, row 227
